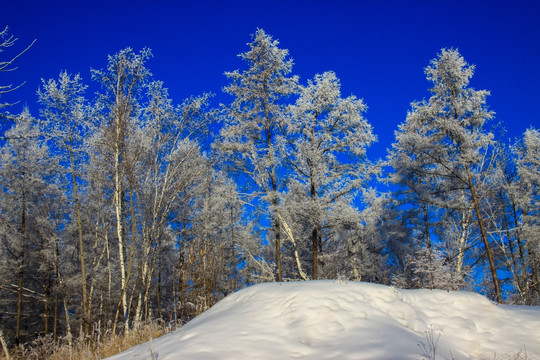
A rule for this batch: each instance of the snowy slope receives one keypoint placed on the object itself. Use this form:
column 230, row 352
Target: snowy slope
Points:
column 349, row 320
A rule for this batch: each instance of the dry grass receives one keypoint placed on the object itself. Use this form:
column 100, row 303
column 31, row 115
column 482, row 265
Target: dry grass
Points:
column 520, row 355
column 44, row 348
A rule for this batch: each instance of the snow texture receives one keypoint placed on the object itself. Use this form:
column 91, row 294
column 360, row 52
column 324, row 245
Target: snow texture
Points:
column 349, row 320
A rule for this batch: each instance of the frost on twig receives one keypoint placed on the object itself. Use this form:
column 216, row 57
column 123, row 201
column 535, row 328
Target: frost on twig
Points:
column 7, row 41
column 430, row 343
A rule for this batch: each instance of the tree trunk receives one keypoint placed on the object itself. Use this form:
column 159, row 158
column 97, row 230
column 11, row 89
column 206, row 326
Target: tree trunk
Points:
column 523, row 267
column 205, row 250
column 145, row 278
column 233, row 250
column 58, row 282
column 296, row 255
column 118, row 204
column 4, row 346
column 273, row 180
column 56, row 303
column 158, row 295
column 279, row 277
column 483, row 232
column 109, row 268
column 276, row 222
column 46, row 305
column 315, row 257
column 86, row 317
column 314, row 237
column 21, row 269
column 69, row 336
column 125, row 271
column 465, row 222
column 133, row 229
column 512, row 262
column 430, row 250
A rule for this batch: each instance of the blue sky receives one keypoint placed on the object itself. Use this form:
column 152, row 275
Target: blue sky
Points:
column 377, row 48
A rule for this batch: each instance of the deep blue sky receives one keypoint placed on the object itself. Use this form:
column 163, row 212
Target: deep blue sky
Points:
column 377, row 48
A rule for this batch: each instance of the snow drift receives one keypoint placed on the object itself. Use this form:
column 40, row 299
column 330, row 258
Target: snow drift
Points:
column 349, row 320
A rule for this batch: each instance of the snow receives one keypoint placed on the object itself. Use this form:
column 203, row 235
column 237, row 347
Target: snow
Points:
column 349, row 320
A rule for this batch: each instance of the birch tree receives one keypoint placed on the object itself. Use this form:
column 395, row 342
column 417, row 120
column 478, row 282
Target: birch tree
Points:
column 119, row 105
column 171, row 163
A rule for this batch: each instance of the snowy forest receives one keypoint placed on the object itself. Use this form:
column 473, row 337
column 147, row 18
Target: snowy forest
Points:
column 127, row 206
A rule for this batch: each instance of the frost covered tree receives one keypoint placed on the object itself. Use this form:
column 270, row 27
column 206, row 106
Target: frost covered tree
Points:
column 414, row 199
column 361, row 238
column 6, row 65
column 171, row 162
column 119, row 111
column 215, row 243
column 326, row 141
column 529, row 201
column 503, row 216
column 65, row 125
column 443, row 141
column 26, row 222
column 250, row 134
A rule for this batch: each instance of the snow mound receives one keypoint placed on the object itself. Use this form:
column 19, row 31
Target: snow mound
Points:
column 349, row 320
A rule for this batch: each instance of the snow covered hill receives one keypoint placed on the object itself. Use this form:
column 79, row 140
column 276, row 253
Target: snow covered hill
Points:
column 350, row 320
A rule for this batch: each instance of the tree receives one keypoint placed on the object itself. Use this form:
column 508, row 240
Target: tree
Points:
column 65, row 123
column 326, row 141
column 7, row 41
column 26, row 181
column 529, row 200
column 251, row 129
column 171, row 162
column 503, row 216
column 443, row 141
column 119, row 106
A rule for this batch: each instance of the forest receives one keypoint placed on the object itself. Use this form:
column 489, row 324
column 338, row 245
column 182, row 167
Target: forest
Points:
column 127, row 206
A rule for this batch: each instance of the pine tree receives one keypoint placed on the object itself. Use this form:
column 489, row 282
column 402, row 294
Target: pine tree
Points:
column 326, row 141
column 251, row 129
column 443, row 140
column 65, row 123
column 27, row 227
